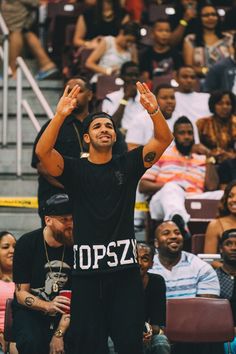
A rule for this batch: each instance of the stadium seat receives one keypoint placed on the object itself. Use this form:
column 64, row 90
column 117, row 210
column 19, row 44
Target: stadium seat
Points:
column 199, row 320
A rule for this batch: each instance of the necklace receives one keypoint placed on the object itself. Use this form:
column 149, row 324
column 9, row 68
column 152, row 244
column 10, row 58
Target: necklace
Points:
column 55, row 286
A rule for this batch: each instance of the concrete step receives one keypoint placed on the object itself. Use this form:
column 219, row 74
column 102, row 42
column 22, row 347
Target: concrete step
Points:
column 17, row 187
column 29, row 133
column 19, row 221
column 51, row 89
column 8, row 160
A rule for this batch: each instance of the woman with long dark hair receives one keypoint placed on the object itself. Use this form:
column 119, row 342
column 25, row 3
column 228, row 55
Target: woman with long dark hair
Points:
column 208, row 44
column 7, row 287
column 218, row 132
column 225, row 220
column 103, row 19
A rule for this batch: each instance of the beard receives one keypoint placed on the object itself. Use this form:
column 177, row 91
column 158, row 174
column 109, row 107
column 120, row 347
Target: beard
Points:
column 65, row 238
column 183, row 149
column 78, row 110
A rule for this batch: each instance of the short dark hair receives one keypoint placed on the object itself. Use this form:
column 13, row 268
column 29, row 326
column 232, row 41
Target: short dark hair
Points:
column 184, row 67
column 127, row 65
column 131, row 28
column 162, row 86
column 149, row 247
column 182, row 120
column 82, row 78
column 92, row 116
column 216, row 96
column 160, row 20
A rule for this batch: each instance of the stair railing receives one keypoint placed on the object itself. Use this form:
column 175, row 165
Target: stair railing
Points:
column 4, row 53
column 22, row 103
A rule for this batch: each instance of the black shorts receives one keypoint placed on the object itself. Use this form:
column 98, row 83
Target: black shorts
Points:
column 103, row 305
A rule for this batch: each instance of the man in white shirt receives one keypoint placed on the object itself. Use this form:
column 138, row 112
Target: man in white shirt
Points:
column 185, row 274
column 190, row 103
column 123, row 105
column 140, row 130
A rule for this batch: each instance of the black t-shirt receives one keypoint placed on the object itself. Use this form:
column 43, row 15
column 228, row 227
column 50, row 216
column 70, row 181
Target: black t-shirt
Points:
column 105, row 28
column 30, row 265
column 103, row 199
column 68, row 143
column 155, row 300
column 160, row 63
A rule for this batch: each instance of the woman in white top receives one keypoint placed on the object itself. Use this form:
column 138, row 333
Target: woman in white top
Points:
column 113, row 52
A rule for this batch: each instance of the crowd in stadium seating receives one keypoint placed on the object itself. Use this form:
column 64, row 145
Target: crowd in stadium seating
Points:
column 185, row 50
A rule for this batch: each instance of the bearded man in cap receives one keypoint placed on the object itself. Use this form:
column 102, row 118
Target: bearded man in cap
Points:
column 42, row 266
column 107, row 291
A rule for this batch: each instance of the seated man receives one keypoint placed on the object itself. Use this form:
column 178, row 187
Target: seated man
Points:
column 186, row 276
column 155, row 342
column 42, row 266
column 179, row 173
column 123, row 105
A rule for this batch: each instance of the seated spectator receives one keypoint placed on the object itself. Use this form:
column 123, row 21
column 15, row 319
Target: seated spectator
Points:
column 186, row 276
column 123, row 105
column 20, row 16
column 218, row 132
column 189, row 102
column 227, row 172
column 226, row 220
column 140, row 130
column 112, row 52
column 106, row 18
column 155, row 302
column 222, row 75
column 178, row 174
column 7, row 287
column 183, row 21
column 43, row 261
column 227, row 274
column 160, row 60
column 208, row 45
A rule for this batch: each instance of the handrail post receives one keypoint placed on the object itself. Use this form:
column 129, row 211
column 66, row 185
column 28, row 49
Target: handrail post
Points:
column 5, row 79
column 19, row 121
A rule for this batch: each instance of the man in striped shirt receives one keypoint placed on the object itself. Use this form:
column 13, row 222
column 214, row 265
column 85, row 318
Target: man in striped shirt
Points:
column 178, row 173
column 185, row 274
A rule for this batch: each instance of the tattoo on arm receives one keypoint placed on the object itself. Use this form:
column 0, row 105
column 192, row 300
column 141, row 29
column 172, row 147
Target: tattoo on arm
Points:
column 29, row 301
column 66, row 318
column 150, row 156
column 18, row 287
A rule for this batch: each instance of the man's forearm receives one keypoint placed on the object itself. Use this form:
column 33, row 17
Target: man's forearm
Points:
column 211, row 177
column 161, row 129
column 25, row 298
column 64, row 323
column 48, row 139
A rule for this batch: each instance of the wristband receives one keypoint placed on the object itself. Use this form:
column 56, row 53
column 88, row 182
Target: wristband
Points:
column 58, row 333
column 154, row 112
column 211, row 160
column 204, row 70
column 108, row 71
column 123, row 102
column 183, row 22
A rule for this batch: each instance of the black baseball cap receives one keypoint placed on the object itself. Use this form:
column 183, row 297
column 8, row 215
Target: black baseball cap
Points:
column 92, row 116
column 58, row 204
column 227, row 234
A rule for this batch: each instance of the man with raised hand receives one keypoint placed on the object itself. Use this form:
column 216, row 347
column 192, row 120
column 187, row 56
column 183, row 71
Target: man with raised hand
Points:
column 107, row 292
